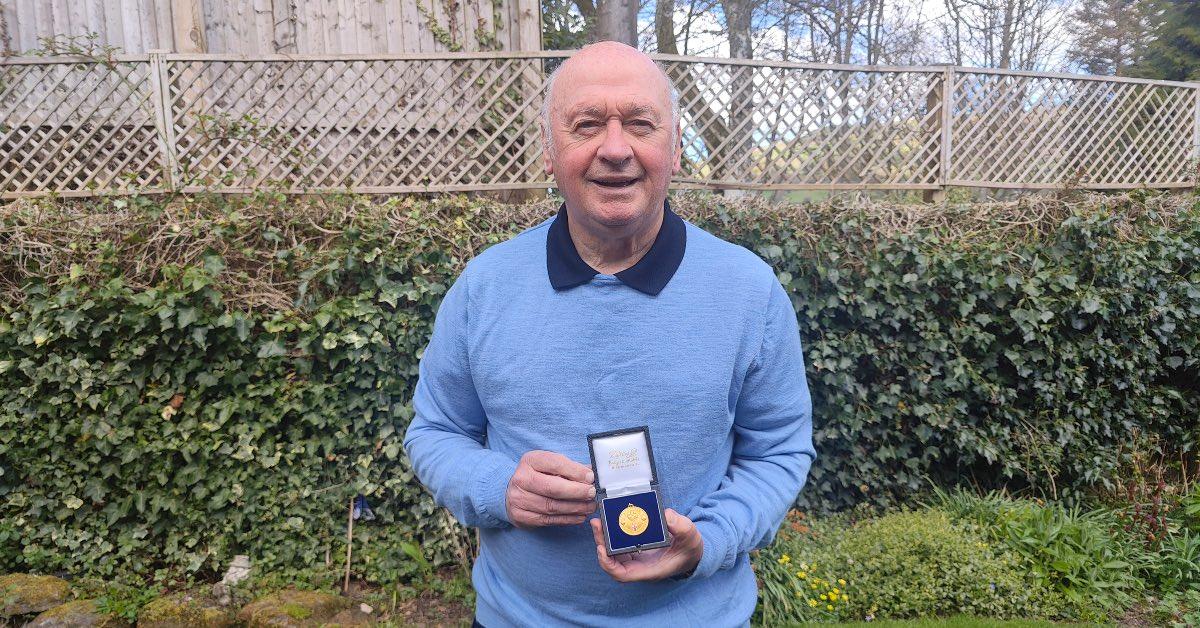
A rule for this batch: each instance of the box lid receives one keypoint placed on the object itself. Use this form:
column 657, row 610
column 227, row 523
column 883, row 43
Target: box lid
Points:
column 622, row 458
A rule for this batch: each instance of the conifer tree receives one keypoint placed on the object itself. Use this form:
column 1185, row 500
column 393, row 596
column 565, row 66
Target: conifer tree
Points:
column 1173, row 53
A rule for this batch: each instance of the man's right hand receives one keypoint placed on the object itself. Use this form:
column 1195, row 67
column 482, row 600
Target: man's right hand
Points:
column 550, row 489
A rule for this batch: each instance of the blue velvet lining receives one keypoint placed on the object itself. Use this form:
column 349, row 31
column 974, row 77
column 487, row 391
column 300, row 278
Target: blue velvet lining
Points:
column 648, row 501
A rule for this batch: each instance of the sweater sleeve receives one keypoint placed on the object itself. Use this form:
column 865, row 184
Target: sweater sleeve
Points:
column 445, row 441
column 772, row 448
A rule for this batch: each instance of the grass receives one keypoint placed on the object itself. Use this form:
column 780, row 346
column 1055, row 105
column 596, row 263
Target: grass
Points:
column 961, row 621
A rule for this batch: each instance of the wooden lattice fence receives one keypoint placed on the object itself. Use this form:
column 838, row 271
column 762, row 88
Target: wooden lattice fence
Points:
column 469, row 121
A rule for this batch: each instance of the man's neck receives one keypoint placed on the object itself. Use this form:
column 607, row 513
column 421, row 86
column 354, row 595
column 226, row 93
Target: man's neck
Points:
column 611, row 251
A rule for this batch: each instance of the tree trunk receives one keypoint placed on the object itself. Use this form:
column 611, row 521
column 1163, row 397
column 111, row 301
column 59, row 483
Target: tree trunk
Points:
column 711, row 127
column 664, row 27
column 741, row 102
column 737, row 18
column 616, row 20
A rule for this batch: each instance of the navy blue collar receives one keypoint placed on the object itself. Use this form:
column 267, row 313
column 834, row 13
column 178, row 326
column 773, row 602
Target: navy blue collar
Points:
column 649, row 275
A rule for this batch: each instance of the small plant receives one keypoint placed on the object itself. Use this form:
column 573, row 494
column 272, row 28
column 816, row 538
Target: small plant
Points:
column 413, row 551
column 1178, row 609
column 1178, row 562
column 125, row 602
column 825, row 594
column 1144, row 490
column 1189, row 509
column 85, row 45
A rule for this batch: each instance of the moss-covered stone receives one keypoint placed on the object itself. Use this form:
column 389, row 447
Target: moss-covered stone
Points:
column 350, row 617
column 77, row 614
column 293, row 608
column 23, row 594
column 179, row 611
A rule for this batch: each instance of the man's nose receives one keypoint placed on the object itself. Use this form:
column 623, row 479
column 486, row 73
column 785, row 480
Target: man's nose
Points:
column 615, row 147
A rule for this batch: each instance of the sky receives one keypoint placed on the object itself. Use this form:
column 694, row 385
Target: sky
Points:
column 706, row 40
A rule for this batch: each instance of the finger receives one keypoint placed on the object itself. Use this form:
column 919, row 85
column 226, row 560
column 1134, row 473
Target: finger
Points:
column 597, row 534
column 541, row 504
column 537, row 519
column 632, row 568
column 560, row 465
column 610, row 566
column 557, row 487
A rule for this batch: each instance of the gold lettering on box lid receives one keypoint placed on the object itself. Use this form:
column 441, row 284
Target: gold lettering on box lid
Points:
column 622, row 458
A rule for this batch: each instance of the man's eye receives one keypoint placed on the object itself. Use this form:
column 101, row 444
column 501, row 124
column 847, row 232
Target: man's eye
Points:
column 641, row 125
column 587, row 125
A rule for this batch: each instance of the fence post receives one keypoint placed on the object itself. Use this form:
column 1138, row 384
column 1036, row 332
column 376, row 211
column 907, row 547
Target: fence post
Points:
column 947, row 128
column 162, row 119
column 1196, row 138
column 939, row 99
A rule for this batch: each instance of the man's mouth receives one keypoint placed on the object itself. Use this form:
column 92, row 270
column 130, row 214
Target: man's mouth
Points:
column 616, row 183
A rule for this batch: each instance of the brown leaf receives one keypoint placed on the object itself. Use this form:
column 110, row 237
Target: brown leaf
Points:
column 177, row 401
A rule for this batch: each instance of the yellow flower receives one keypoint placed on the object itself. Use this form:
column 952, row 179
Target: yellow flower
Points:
column 841, row 582
column 812, row 586
column 836, row 590
column 812, row 603
column 833, row 597
column 785, row 559
column 824, row 597
column 828, row 607
column 801, row 575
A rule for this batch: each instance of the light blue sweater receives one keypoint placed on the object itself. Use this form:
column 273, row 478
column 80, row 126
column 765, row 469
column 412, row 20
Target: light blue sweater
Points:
column 712, row 365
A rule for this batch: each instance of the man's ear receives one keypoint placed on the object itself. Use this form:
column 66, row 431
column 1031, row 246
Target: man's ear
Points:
column 547, row 163
column 675, row 168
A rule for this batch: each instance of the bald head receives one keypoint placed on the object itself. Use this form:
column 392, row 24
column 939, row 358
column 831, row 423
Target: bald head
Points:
column 612, row 142
column 605, row 56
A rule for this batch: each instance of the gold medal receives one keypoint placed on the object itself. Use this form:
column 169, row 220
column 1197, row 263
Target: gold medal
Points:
column 633, row 520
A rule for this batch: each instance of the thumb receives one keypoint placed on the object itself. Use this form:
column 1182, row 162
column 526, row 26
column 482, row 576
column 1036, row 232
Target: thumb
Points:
column 679, row 525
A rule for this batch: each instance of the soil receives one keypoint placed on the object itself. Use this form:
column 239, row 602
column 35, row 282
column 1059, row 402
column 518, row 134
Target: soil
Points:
column 1136, row 617
column 430, row 609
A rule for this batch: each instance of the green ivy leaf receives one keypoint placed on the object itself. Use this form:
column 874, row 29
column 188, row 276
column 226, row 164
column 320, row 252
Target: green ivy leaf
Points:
column 270, row 349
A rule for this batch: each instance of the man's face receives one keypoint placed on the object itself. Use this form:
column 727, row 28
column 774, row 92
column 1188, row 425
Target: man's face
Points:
column 613, row 152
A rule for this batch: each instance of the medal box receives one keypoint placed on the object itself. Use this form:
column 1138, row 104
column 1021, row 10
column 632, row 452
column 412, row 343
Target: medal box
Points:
column 631, row 509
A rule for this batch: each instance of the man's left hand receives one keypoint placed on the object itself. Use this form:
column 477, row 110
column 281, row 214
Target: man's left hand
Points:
column 683, row 554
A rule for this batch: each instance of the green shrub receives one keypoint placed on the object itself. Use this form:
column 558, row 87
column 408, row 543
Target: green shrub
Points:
column 900, row 565
column 186, row 378
column 1081, row 554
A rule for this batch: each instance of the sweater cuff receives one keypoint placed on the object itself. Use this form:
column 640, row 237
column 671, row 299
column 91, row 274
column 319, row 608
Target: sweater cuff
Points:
column 489, row 490
column 718, row 550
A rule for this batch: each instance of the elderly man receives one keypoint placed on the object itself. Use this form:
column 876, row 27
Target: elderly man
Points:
column 614, row 313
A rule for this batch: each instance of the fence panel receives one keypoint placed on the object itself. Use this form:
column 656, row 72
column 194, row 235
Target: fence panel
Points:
column 764, row 126
column 456, row 122
column 1014, row 130
column 78, row 128
column 367, row 124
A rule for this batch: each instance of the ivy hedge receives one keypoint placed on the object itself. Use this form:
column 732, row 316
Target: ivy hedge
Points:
column 187, row 378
